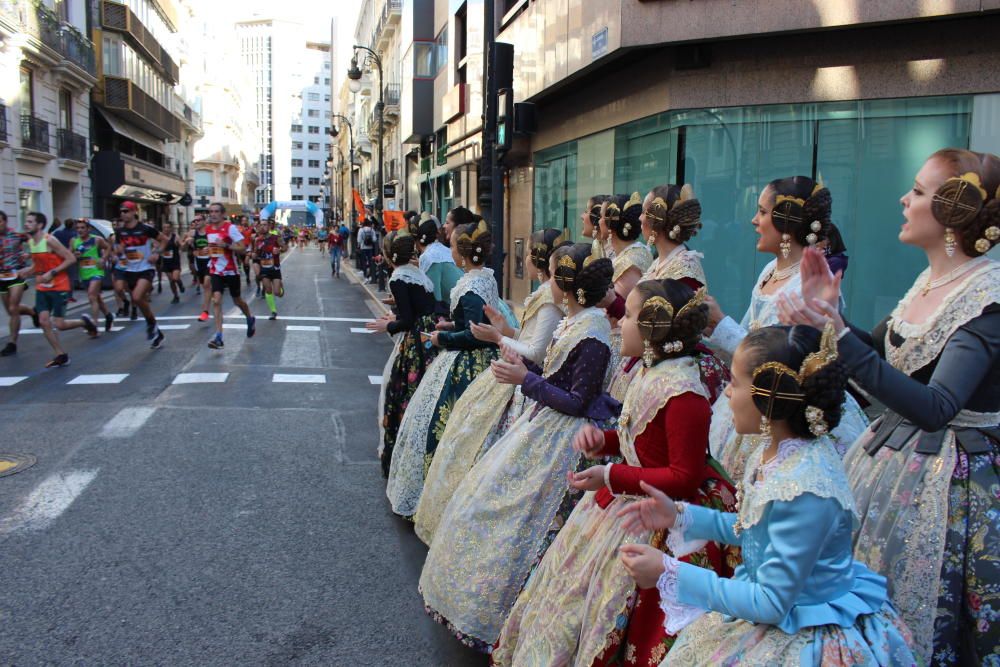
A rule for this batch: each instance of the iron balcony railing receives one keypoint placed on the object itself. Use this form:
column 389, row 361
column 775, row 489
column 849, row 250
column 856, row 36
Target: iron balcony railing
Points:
column 77, row 49
column 35, row 19
column 392, row 95
column 71, row 145
column 34, row 133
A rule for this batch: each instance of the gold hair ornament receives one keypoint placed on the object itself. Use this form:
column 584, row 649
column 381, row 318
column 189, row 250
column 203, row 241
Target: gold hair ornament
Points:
column 612, row 212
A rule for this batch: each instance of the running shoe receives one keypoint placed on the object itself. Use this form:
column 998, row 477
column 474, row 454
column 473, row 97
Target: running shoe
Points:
column 181, row 285
column 151, row 331
column 158, row 341
column 274, row 316
column 34, row 318
column 176, row 299
column 281, row 291
column 134, row 315
column 88, row 324
column 71, row 300
column 258, row 293
column 216, row 342
column 203, row 317
column 109, row 319
column 251, row 326
column 9, row 350
column 60, row 360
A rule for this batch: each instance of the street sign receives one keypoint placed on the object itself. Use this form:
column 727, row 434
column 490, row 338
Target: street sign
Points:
column 389, row 190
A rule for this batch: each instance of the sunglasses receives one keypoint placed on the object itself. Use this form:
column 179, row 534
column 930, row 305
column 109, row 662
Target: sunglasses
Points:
column 124, row 210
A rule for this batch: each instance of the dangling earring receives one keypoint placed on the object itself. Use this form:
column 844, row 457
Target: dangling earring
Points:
column 651, row 241
column 949, row 242
column 647, row 354
column 785, row 245
column 581, row 297
column 541, row 276
column 765, row 427
column 463, row 262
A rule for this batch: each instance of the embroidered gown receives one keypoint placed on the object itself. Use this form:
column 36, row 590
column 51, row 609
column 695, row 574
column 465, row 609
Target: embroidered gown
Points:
column 636, row 256
column 437, row 264
column 461, row 359
column 729, row 448
column 575, row 607
column 486, row 408
column 926, row 476
column 414, row 297
column 506, row 510
column 799, row 598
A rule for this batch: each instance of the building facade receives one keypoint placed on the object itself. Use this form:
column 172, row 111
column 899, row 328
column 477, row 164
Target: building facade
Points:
column 717, row 94
column 47, row 70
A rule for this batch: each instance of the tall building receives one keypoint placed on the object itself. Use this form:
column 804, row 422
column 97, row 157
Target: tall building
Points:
column 292, row 110
column 47, row 70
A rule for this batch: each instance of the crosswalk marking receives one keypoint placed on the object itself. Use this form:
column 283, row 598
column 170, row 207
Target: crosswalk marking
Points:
column 51, row 497
column 198, row 378
column 375, row 379
column 301, row 327
column 127, row 422
column 361, row 330
column 227, row 325
column 11, row 380
column 38, row 331
column 301, row 378
column 173, row 327
column 110, row 378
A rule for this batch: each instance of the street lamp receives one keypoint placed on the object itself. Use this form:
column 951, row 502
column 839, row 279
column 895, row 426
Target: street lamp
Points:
column 354, row 76
column 333, row 133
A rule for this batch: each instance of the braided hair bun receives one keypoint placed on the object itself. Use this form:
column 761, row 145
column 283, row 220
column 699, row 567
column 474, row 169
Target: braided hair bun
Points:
column 782, row 395
column 402, row 248
column 462, row 216
column 672, row 317
column 626, row 225
column 969, row 201
column 543, row 243
column 674, row 212
column 802, row 209
column 582, row 276
column 473, row 242
column 429, row 230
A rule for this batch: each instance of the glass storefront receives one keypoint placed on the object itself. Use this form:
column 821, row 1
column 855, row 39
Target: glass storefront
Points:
column 866, row 152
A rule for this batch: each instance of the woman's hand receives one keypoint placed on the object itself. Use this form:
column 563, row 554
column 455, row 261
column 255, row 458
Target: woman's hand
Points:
column 433, row 338
column 380, row 325
column 590, row 479
column 510, row 369
column 643, row 563
column 654, row 513
column 589, row 441
column 389, row 301
column 793, row 309
column 486, row 332
column 715, row 314
column 444, row 325
column 818, row 282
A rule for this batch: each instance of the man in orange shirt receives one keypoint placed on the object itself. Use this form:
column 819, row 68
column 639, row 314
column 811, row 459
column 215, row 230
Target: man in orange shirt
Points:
column 50, row 260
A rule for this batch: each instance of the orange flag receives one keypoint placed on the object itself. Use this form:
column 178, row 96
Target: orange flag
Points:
column 393, row 220
column 359, row 206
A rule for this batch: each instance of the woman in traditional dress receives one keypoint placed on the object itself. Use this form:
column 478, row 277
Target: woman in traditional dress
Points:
column 792, row 214
column 591, row 223
column 799, row 597
column 436, row 261
column 926, row 476
column 462, row 358
column 487, row 406
column 570, row 609
column 413, row 296
column 515, row 499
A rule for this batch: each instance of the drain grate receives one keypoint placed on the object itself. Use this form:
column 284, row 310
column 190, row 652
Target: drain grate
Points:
column 14, row 463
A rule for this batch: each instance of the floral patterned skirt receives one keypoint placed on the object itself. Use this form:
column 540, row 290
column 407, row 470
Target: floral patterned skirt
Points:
column 409, row 361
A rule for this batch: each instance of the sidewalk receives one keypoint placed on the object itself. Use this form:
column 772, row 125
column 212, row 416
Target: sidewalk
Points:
column 356, row 277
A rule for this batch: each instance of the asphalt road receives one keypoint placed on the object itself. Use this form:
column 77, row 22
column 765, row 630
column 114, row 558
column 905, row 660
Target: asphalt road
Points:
column 241, row 522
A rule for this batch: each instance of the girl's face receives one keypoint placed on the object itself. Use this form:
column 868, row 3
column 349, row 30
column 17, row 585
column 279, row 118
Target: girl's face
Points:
column 631, row 338
column 770, row 238
column 588, row 222
column 746, row 416
column 647, row 229
column 449, row 227
column 921, row 228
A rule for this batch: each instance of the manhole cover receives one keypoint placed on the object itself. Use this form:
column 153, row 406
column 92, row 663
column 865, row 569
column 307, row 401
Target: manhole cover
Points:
column 12, row 463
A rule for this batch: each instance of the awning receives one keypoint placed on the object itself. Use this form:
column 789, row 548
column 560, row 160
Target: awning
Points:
column 119, row 126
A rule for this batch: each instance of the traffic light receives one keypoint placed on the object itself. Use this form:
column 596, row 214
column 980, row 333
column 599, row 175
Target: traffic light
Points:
column 505, row 120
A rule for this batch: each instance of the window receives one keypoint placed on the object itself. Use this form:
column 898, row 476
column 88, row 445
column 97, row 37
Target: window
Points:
column 315, row 80
column 296, row 162
column 313, row 97
column 313, row 113
column 65, row 109
column 326, row 65
column 461, row 41
column 27, row 92
column 296, row 197
column 313, row 180
column 296, row 128
column 326, row 82
column 423, row 59
column 314, row 199
column 441, row 50
column 313, row 129
column 326, row 147
column 314, row 164
column 313, row 146
column 296, row 180
column 326, row 98
column 297, row 145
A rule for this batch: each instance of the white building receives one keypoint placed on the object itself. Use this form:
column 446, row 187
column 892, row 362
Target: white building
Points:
column 46, row 74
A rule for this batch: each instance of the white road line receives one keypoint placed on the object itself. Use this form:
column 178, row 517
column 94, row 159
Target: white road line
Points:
column 301, row 350
column 301, row 327
column 11, row 380
column 198, row 378
column 291, row 377
column 49, row 499
column 173, row 327
column 226, row 325
column 38, row 331
column 361, row 330
column 110, row 378
column 127, row 422
column 375, row 379
column 293, row 318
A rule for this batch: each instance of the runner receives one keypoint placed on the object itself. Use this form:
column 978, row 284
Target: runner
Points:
column 197, row 240
column 49, row 263
column 170, row 261
column 267, row 254
column 321, row 236
column 118, row 275
column 192, row 265
column 225, row 242
column 248, row 233
column 13, row 258
column 141, row 244
column 92, row 253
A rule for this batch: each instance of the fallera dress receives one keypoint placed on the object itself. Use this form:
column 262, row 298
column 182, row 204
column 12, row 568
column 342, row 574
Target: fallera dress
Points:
column 438, row 264
column 636, row 256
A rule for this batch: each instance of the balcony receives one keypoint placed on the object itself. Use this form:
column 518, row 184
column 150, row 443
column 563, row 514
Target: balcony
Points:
column 386, row 23
column 204, row 190
column 71, row 146
column 34, row 133
column 119, row 18
column 77, row 49
column 40, row 22
column 391, row 97
column 129, row 100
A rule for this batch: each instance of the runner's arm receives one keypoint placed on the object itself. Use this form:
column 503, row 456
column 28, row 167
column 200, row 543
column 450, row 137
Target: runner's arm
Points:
column 69, row 259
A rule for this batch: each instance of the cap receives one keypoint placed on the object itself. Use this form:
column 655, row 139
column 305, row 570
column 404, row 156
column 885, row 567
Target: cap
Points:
column 130, row 205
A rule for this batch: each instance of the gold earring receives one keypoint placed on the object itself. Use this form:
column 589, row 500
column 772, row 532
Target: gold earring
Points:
column 785, row 245
column 949, row 242
column 581, row 297
column 647, row 354
column 565, row 300
column 652, row 239
column 765, row 426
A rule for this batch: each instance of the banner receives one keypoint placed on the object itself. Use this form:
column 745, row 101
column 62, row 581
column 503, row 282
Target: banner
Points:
column 359, row 206
column 393, row 220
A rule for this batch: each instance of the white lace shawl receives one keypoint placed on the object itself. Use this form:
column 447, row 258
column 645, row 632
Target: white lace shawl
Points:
column 435, row 253
column 407, row 273
column 478, row 281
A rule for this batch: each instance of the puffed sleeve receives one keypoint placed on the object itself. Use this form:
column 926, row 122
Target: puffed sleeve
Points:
column 968, row 356
column 589, row 362
column 546, row 321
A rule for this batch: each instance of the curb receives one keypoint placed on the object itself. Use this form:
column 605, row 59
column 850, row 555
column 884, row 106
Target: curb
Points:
column 349, row 271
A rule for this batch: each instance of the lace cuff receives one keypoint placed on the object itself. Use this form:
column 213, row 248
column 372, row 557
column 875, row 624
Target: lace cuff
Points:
column 677, row 615
column 727, row 334
column 679, row 545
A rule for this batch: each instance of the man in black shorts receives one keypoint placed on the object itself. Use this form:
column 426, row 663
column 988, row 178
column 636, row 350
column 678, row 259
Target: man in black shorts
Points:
column 197, row 241
column 14, row 256
column 267, row 249
column 225, row 243
column 141, row 244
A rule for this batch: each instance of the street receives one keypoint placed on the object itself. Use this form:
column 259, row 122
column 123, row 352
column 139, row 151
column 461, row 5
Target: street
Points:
column 210, row 507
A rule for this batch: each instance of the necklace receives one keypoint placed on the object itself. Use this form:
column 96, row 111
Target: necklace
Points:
column 952, row 275
column 783, row 274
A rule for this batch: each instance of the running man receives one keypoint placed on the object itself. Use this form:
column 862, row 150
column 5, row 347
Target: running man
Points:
column 267, row 251
column 321, row 236
column 225, row 242
column 14, row 256
column 141, row 244
column 118, row 275
column 247, row 231
column 92, row 253
column 49, row 263
column 197, row 240
column 170, row 261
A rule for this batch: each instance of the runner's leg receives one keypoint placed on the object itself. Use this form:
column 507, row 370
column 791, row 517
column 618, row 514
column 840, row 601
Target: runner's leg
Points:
column 45, row 320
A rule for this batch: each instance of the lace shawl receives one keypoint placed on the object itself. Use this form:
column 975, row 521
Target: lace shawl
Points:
column 588, row 323
column 683, row 263
column 540, row 297
column 435, row 253
column 478, row 281
column 407, row 273
column 636, row 255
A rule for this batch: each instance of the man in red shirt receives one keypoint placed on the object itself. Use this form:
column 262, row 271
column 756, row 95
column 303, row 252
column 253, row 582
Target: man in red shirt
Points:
column 225, row 243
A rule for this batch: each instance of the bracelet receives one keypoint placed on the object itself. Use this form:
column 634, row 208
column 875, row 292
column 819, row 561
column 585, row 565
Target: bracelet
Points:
column 680, row 506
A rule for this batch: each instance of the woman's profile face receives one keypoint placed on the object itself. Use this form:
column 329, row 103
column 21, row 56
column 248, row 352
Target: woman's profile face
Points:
column 632, row 345
column 746, row 416
column 647, row 229
column 769, row 240
column 920, row 227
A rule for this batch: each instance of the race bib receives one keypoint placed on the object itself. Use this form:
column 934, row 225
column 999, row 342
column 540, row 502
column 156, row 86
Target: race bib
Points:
column 267, row 263
column 8, row 276
column 88, row 263
column 216, row 251
column 134, row 255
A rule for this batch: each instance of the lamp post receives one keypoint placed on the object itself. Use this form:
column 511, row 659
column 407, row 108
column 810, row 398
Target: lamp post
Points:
column 333, row 133
column 354, row 74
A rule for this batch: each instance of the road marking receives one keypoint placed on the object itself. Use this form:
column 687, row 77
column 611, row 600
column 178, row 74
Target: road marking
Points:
column 293, row 318
column 226, row 325
column 301, row 350
column 49, row 499
column 301, row 327
column 173, row 327
column 291, row 377
column 110, row 378
column 362, row 331
column 127, row 422
column 197, row 378
column 38, row 331
column 375, row 379
column 11, row 380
